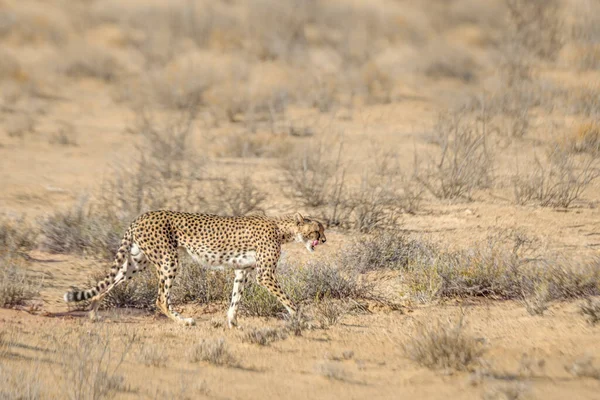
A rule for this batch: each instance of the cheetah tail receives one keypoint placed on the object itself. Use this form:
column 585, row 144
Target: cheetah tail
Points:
column 102, row 285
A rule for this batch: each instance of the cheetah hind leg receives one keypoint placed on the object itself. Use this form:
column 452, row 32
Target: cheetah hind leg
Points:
column 166, row 276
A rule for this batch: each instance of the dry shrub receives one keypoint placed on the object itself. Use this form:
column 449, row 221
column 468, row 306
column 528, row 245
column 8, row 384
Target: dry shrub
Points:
column 537, row 26
column 537, row 302
column 585, row 33
column 91, row 367
column 315, row 281
column 330, row 313
column 213, row 351
column 590, row 309
column 139, row 292
column 584, row 368
column 196, row 283
column 559, row 181
column 310, row 174
column 152, row 355
column 168, row 175
column 278, row 29
column 388, row 249
column 507, row 391
column 82, row 229
column 332, row 371
column 447, row 61
column 297, row 323
column 376, row 203
column 584, row 100
column 84, row 61
column 16, row 285
column 17, row 238
column 253, row 145
column 237, row 197
column 264, row 336
column 465, row 161
column 30, row 24
column 181, row 87
column 585, row 139
column 494, row 270
column 21, row 383
column 317, row 178
column 259, row 302
column 444, row 346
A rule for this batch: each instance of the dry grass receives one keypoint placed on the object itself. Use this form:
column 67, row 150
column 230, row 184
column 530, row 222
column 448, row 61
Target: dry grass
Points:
column 17, row 286
column 585, row 138
column 584, row 368
column 196, row 283
column 84, row 61
column 152, row 355
column 82, row 229
column 310, row 174
column 444, row 346
column 16, row 236
column 21, row 383
column 213, row 351
column 537, row 302
column 465, row 161
column 237, row 197
column 388, row 249
column 332, row 371
column 507, row 391
column 557, row 182
column 264, row 336
column 92, row 367
column 590, row 309
column 330, row 313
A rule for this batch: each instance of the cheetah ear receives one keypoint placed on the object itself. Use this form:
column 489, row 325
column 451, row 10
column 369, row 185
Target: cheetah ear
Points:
column 299, row 218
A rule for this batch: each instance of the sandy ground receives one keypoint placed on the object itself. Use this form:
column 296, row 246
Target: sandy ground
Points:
column 362, row 356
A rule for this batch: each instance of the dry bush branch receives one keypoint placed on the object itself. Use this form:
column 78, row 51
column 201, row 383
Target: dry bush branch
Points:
column 558, row 182
column 465, row 161
column 444, row 346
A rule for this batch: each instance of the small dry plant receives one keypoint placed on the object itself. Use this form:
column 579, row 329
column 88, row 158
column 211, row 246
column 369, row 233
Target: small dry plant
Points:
column 584, row 368
column 538, row 302
column 464, row 163
column 16, row 284
column 91, row 367
column 237, row 197
column 310, row 174
column 590, row 309
column 333, row 371
column 507, row 391
column 213, row 351
column 558, row 182
column 152, row 355
column 330, row 313
column 444, row 346
column 22, row 383
column 264, row 336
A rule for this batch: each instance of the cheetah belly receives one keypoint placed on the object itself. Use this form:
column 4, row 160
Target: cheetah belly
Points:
column 221, row 261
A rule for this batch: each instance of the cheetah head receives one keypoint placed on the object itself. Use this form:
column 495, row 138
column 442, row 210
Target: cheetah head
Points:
column 310, row 232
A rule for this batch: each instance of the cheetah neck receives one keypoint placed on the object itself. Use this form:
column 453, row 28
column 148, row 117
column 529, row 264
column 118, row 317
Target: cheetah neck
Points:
column 288, row 227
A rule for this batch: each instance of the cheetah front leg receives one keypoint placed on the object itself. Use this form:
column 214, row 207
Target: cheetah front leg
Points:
column 266, row 278
column 241, row 278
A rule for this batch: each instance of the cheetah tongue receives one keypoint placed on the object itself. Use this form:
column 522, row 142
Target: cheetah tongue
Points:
column 315, row 243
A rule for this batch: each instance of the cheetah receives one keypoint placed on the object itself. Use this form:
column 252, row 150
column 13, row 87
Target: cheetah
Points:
column 240, row 243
